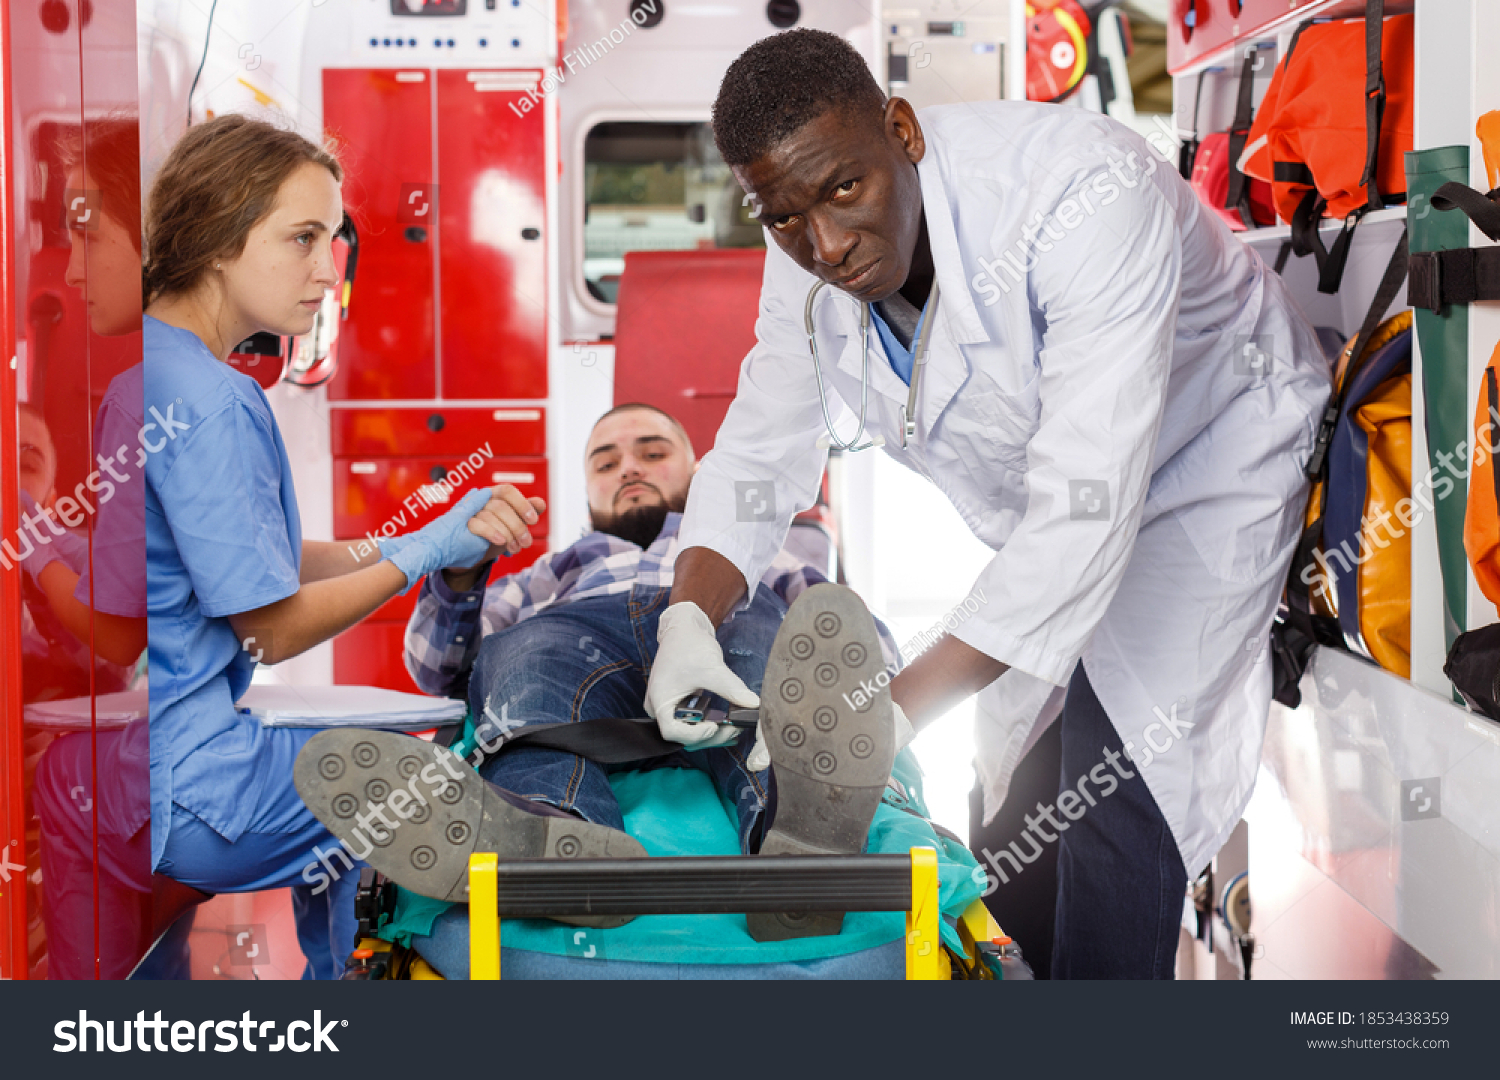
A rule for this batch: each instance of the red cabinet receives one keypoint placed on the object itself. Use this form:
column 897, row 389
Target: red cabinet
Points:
column 491, row 219
column 446, row 183
column 381, row 125
column 1196, row 28
column 438, row 429
column 450, row 295
column 390, row 496
column 387, row 464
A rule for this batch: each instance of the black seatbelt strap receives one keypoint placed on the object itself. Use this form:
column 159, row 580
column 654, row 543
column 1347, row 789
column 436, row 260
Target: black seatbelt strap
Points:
column 1478, row 207
column 1494, row 402
column 1239, row 133
column 1374, row 99
column 1462, row 275
column 1283, row 255
column 1187, row 153
column 607, row 740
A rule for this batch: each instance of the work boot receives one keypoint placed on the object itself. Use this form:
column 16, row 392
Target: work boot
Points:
column 825, row 713
column 419, row 811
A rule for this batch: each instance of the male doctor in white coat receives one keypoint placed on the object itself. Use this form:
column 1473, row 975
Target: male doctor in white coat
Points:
column 1119, row 399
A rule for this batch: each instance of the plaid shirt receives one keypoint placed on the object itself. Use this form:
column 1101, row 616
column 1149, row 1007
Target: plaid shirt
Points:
column 443, row 635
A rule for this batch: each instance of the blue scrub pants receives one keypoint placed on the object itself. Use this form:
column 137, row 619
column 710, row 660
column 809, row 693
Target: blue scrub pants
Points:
column 283, row 846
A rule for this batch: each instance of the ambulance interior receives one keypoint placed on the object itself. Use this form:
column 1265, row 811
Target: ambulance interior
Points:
column 540, row 228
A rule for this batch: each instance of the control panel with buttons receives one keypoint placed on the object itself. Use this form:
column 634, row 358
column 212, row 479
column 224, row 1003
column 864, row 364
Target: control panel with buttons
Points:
column 453, row 32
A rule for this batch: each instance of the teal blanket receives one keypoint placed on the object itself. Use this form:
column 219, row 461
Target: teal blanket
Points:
column 676, row 812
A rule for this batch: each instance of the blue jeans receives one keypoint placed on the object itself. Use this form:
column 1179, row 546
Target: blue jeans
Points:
column 1120, row 879
column 591, row 658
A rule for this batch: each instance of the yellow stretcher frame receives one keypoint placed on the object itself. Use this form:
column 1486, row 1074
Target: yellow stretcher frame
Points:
column 926, row 958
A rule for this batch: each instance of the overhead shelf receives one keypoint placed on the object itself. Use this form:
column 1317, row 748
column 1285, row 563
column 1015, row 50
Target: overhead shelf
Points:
column 1225, row 55
column 1378, row 221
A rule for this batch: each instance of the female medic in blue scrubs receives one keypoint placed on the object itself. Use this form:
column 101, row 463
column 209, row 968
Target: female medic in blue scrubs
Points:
column 239, row 230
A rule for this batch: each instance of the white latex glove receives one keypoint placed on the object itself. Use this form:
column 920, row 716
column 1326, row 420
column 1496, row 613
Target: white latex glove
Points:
column 760, row 757
column 689, row 659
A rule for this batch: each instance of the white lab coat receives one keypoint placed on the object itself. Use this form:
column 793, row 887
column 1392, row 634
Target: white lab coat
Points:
column 1111, row 364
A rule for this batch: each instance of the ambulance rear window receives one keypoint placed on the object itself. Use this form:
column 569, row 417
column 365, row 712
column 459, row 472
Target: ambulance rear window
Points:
column 656, row 187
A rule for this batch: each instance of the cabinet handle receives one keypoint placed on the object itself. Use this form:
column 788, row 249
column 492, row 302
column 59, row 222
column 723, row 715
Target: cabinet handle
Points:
column 435, row 422
column 529, row 233
column 362, row 468
column 437, row 472
column 502, row 415
column 416, row 234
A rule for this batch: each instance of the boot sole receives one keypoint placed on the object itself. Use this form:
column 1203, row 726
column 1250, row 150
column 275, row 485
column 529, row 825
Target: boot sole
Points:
column 831, row 756
column 343, row 775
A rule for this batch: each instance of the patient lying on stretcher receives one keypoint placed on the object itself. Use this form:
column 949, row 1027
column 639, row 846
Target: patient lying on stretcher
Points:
column 570, row 641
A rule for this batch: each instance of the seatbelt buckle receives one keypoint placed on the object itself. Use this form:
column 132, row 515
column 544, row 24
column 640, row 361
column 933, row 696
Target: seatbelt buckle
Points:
column 1324, row 440
column 1424, row 286
column 699, row 709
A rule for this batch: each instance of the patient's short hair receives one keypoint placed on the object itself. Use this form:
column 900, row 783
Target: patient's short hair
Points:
column 781, row 83
column 642, row 406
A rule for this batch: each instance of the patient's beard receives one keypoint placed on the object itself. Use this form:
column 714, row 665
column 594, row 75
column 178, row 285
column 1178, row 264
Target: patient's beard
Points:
column 640, row 525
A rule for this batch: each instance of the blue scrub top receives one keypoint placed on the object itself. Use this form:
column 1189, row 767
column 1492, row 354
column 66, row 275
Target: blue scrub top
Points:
column 222, row 536
column 898, row 355
column 116, row 577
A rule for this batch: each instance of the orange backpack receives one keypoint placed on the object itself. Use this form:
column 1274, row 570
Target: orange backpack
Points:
column 1482, row 516
column 1334, row 127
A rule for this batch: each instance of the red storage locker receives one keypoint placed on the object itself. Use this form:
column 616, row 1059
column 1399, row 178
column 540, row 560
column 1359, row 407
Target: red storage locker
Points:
column 381, row 122
column 372, row 653
column 389, row 496
column 438, row 429
column 492, row 258
column 1196, row 28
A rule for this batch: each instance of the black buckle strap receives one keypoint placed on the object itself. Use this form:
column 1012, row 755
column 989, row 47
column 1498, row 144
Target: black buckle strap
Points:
column 1374, row 99
column 1238, row 197
column 1480, row 208
column 1187, row 153
column 1461, row 276
column 1390, row 285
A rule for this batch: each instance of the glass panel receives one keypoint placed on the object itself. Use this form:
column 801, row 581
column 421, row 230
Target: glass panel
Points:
column 74, row 211
column 656, row 187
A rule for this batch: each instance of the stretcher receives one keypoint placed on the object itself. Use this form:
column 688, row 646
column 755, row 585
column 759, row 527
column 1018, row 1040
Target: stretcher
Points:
column 702, row 892
column 705, row 885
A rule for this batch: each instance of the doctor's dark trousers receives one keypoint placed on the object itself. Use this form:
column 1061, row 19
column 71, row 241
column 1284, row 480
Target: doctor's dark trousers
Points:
column 1116, row 909
column 1120, row 880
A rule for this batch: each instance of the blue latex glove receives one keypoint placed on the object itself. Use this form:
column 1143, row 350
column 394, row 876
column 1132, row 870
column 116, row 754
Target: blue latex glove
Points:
column 69, row 549
column 389, row 545
column 446, row 543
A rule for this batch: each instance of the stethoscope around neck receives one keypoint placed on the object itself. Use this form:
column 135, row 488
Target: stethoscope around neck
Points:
column 908, row 428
